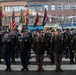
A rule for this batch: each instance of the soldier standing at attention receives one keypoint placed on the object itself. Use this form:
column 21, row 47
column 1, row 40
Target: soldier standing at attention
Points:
column 47, row 40
column 57, row 49
column 0, row 45
column 73, row 47
column 23, row 47
column 70, row 48
column 39, row 49
column 6, row 49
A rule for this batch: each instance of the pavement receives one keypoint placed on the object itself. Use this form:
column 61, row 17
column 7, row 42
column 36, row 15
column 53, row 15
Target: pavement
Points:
column 68, row 69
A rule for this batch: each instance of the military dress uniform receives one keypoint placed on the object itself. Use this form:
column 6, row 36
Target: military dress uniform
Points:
column 57, row 49
column 14, row 45
column 0, row 46
column 6, row 50
column 29, row 34
column 39, row 49
column 66, row 36
column 50, row 51
column 47, row 40
column 71, row 52
column 73, row 41
column 23, row 45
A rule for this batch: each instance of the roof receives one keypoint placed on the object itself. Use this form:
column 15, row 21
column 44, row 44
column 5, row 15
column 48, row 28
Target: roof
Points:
column 40, row 0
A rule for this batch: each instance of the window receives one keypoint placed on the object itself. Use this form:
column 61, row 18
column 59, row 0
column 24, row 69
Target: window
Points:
column 46, row 7
column 66, row 7
column 31, row 19
column 40, row 19
column 17, row 18
column 9, row 9
column 53, row 7
column 31, row 8
column 15, row 8
column 60, row 18
column 6, row 9
column 66, row 18
column 22, row 7
column 60, row 7
column 19, row 7
column 39, row 7
column 52, row 19
column 7, row 19
column 74, row 7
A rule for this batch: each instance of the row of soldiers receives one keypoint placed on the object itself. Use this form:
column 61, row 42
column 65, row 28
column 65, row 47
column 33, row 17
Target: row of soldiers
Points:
column 56, row 43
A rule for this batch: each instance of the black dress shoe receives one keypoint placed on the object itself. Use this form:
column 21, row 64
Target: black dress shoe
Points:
column 22, row 69
column 42, row 70
column 56, row 70
column 9, row 69
column 52, row 62
column 6, row 69
column 60, row 70
column 72, row 63
column 27, row 69
column 13, row 62
column 38, row 70
column 0, row 61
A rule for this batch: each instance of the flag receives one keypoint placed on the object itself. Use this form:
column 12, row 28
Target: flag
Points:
column 1, row 16
column 45, row 18
column 21, row 21
column 27, row 17
column 20, row 26
column 12, row 22
column 36, row 19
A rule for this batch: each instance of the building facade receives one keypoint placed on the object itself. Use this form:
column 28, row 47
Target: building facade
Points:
column 57, row 10
column 7, row 8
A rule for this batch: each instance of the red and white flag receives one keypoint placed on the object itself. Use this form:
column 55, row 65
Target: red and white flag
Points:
column 12, row 22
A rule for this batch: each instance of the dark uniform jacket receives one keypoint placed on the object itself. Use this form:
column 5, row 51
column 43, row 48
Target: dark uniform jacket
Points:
column 57, row 44
column 67, row 41
column 23, row 44
column 47, row 38
column 6, row 45
column 39, row 45
column 74, row 43
column 1, row 41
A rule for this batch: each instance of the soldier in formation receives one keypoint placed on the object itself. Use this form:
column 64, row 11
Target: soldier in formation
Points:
column 39, row 49
column 56, row 43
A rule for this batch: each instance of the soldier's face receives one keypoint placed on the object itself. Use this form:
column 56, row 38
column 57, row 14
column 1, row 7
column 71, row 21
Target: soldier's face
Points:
column 38, row 34
column 56, row 33
column 22, row 34
column 71, row 31
column 6, row 35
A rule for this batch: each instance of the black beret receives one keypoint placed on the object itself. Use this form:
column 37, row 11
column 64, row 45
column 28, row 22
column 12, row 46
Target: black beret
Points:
column 22, row 31
column 71, row 29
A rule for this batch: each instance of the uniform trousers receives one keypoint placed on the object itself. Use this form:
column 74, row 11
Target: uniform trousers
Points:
column 58, row 59
column 6, row 56
column 39, row 60
column 24, row 59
